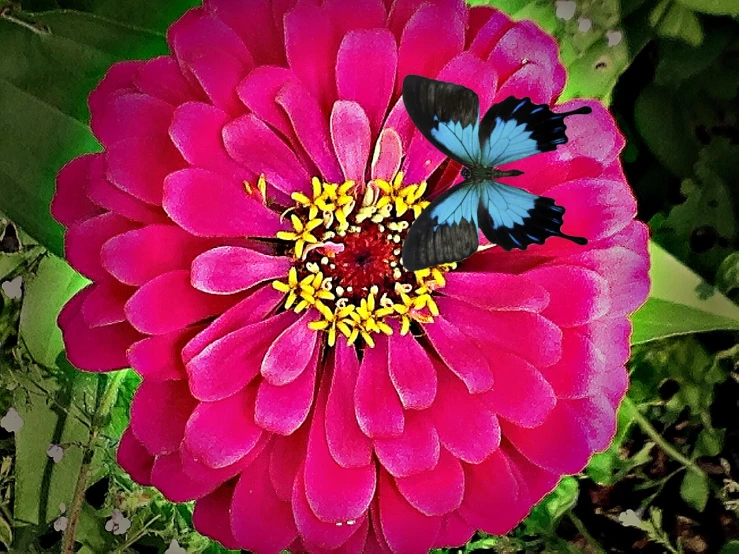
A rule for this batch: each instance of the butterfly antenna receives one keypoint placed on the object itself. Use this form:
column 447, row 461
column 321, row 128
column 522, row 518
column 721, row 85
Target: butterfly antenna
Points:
column 585, row 110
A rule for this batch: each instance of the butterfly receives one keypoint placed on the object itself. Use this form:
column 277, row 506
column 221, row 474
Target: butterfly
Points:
column 448, row 115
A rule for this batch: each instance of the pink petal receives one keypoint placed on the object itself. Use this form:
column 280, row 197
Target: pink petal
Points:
column 161, row 77
column 169, row 476
column 260, row 521
column 266, row 45
column 311, row 43
column 229, row 363
column 159, row 358
column 323, row 534
column 196, row 132
column 70, row 204
column 252, row 309
column 455, row 531
column 207, row 204
column 413, row 452
column 136, row 257
column 218, row 74
column 521, row 394
column 401, row 11
column 199, row 472
column 335, row 493
column 346, row 442
column 286, row 458
column 354, row 70
column 538, row 482
column 492, row 495
column 423, row 49
column 83, row 242
column 351, row 135
column 378, row 408
column 461, row 354
column 139, row 166
column 545, row 446
column 291, row 353
column 259, row 90
column 132, row 115
column 531, row 336
column 453, row 404
column 598, row 417
column 197, row 31
column 311, row 127
column 211, row 516
column 134, row 458
column 575, row 373
column 104, row 305
column 98, row 349
column 527, row 56
column 411, row 371
column 159, row 412
column 282, row 409
column 497, row 291
column 251, row 143
column 597, row 137
column 231, row 269
column 360, row 14
column 221, row 433
column 406, row 529
column 387, row 156
column 490, row 33
column 610, row 336
column 117, row 81
column 169, row 302
column 399, row 121
column 437, row 491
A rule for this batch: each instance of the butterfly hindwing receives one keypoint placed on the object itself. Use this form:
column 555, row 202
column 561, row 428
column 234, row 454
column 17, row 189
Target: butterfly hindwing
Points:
column 517, row 128
column 446, row 231
column 513, row 218
column 448, row 115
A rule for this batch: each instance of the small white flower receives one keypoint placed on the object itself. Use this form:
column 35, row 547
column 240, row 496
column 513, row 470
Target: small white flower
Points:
column 118, row 524
column 584, row 24
column 614, row 38
column 61, row 524
column 13, row 289
column 55, row 452
column 12, row 421
column 566, row 9
column 175, row 548
column 630, row 518
column 62, row 507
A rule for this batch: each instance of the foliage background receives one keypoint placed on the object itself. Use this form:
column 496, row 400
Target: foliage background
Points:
column 670, row 482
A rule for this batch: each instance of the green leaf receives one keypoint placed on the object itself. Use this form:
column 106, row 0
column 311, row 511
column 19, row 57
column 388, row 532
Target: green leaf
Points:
column 694, row 490
column 665, row 131
column 676, row 305
column 710, row 442
column 45, row 294
column 8, row 263
column 673, row 20
column 731, row 547
column 545, row 516
column 714, row 7
column 6, row 532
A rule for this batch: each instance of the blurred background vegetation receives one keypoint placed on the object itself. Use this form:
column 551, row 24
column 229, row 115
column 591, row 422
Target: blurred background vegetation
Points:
column 669, row 69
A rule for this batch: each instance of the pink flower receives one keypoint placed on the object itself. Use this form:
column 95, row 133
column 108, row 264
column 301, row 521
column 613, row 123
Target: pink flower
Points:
column 298, row 384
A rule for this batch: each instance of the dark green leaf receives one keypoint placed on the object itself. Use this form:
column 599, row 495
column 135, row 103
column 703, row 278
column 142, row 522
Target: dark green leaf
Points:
column 673, row 20
column 731, row 547
column 714, row 7
column 694, row 490
column 6, row 532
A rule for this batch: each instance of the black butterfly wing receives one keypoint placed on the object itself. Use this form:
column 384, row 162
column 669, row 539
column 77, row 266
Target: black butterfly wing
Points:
column 517, row 128
column 446, row 231
column 513, row 218
column 448, row 115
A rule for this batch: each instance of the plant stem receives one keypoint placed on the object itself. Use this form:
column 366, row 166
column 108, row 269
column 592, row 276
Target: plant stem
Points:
column 99, row 418
column 668, row 449
column 580, row 526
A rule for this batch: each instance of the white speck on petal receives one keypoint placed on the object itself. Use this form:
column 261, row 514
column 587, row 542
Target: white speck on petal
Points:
column 12, row 421
column 60, row 524
column 175, row 548
column 630, row 518
column 351, row 522
column 614, row 38
column 584, row 24
column 566, row 9
column 55, row 452
column 118, row 524
column 13, row 289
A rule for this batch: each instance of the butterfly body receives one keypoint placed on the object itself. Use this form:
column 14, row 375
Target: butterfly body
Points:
column 448, row 116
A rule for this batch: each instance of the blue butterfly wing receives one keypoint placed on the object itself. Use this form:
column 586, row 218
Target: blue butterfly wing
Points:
column 517, row 128
column 448, row 115
column 446, row 231
column 513, row 218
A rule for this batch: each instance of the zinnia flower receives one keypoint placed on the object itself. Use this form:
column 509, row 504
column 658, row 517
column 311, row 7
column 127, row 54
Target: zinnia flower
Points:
column 242, row 228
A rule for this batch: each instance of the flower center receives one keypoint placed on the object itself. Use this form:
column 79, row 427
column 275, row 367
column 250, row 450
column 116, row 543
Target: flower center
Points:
column 347, row 260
